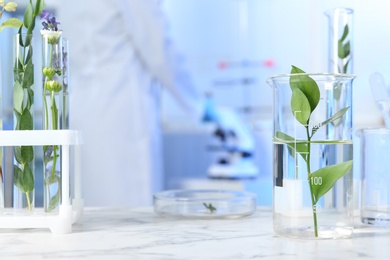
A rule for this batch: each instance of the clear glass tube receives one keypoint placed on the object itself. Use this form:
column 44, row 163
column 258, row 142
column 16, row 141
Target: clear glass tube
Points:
column 340, row 40
column 23, row 106
column 53, row 93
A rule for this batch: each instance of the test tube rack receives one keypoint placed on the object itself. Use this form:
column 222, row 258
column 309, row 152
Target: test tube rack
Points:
column 71, row 209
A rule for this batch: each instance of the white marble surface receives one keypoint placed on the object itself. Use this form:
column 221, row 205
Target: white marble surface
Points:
column 140, row 234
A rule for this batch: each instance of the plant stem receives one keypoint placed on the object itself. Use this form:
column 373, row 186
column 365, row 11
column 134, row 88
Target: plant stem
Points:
column 54, row 117
column 45, row 105
column 310, row 184
column 45, row 89
column 28, row 201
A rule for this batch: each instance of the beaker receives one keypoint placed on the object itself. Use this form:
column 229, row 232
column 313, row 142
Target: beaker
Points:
column 313, row 181
column 375, row 176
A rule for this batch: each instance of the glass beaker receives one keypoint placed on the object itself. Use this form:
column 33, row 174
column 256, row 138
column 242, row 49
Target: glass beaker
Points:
column 313, row 184
column 375, row 174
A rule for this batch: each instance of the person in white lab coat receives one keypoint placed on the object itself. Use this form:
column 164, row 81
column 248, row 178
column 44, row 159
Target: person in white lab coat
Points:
column 118, row 53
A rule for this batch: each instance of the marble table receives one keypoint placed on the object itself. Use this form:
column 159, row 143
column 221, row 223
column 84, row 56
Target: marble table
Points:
column 140, row 234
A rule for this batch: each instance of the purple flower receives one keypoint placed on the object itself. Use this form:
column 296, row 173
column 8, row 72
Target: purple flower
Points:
column 45, row 15
column 50, row 24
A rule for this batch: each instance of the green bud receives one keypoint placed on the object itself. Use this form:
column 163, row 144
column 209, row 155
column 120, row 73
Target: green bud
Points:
column 48, row 72
column 53, row 40
column 53, row 85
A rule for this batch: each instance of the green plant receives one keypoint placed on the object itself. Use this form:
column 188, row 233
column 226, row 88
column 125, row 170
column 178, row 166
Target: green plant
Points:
column 209, row 207
column 304, row 100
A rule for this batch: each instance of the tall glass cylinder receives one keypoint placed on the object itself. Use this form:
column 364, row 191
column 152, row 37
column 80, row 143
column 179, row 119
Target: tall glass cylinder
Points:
column 340, row 40
column 312, row 155
column 23, row 106
column 52, row 71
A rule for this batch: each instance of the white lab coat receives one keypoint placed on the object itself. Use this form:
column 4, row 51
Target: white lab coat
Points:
column 118, row 50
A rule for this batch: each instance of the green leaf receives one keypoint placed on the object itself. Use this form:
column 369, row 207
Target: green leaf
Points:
column 347, row 48
column 28, row 79
column 30, row 97
column 11, row 23
column 300, row 106
column 30, row 31
column 28, row 16
column 10, row 6
column 27, row 179
column 307, row 85
column 24, row 179
column 24, row 154
column 336, row 116
column 26, row 121
column 19, row 67
column 54, row 201
column 28, row 38
column 329, row 176
column 39, row 7
column 27, row 153
column 346, row 66
column 344, row 49
column 21, row 42
column 18, row 97
column 345, row 33
column 18, row 154
column 18, row 177
column 17, row 116
column 29, row 55
column 295, row 145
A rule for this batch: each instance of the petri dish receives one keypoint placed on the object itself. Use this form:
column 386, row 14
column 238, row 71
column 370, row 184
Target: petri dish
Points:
column 205, row 204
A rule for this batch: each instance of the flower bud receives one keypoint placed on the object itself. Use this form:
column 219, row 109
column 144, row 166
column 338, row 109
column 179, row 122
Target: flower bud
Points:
column 48, row 72
column 53, row 85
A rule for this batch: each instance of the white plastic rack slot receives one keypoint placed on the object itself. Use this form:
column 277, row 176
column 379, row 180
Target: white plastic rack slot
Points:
column 69, row 212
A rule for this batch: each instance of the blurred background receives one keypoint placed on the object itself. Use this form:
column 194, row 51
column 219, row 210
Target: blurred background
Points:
column 230, row 48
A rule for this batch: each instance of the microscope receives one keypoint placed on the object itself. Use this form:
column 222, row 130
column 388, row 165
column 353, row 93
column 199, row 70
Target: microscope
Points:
column 235, row 146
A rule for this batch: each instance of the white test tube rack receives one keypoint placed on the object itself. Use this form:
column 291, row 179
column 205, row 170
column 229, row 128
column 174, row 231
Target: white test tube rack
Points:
column 70, row 212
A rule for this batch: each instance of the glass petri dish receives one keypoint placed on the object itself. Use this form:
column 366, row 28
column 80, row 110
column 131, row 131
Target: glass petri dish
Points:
column 206, row 204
